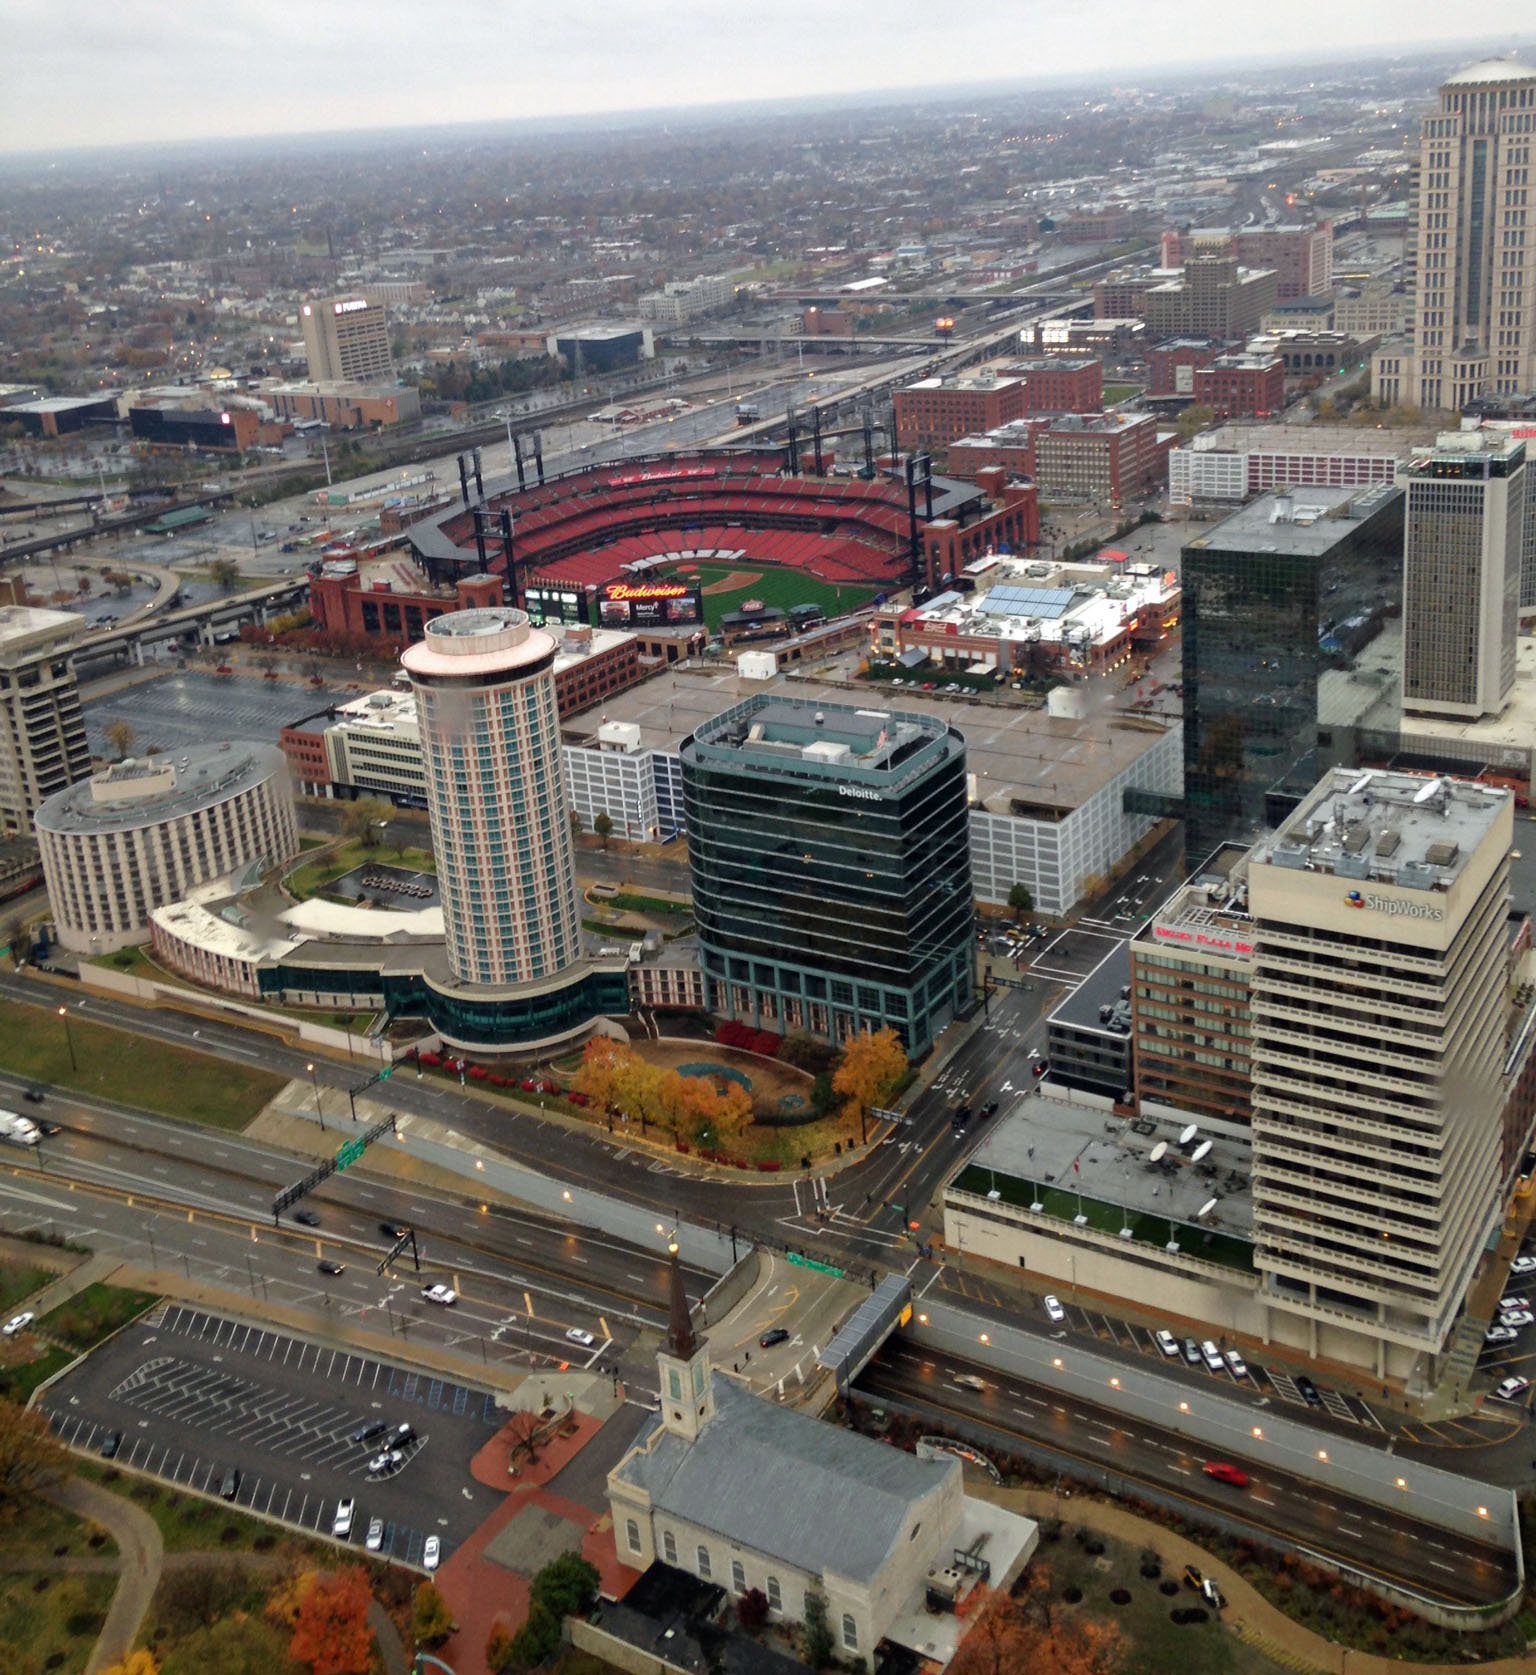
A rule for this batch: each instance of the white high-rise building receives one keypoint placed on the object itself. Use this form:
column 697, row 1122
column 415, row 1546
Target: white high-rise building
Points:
column 1463, row 539
column 42, row 731
column 490, row 741
column 1380, row 974
column 346, row 339
column 1472, row 314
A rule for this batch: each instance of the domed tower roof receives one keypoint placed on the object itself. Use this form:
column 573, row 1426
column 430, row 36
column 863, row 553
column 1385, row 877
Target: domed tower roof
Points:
column 1490, row 71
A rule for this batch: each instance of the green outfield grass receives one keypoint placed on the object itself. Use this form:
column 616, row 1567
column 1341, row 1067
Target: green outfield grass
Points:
column 777, row 586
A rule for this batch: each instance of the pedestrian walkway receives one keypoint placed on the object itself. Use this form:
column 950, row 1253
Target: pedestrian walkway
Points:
column 1248, row 1614
column 140, row 1552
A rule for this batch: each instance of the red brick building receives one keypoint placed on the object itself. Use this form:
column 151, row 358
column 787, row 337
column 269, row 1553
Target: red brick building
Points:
column 1101, row 458
column 937, row 410
column 1301, row 256
column 1060, row 386
column 1010, row 446
column 1012, row 525
column 1242, row 386
column 1171, row 365
column 393, row 601
column 827, row 322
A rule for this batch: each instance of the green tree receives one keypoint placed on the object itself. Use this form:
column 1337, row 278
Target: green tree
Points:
column 817, row 1644
column 1021, row 901
column 874, row 1061
column 431, row 1620
column 1193, row 420
column 603, row 826
column 225, row 571
column 567, row 1585
column 366, row 819
column 537, row 1638
column 32, row 1459
column 575, row 820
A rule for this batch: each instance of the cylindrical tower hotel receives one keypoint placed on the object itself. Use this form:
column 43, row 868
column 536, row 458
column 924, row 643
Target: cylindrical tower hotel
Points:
column 490, row 740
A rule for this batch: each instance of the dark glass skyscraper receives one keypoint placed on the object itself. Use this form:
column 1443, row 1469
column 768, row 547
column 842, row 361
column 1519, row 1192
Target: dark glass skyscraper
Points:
column 831, row 868
column 1278, row 599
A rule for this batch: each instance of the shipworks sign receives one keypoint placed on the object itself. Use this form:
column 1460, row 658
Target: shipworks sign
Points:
column 1393, row 906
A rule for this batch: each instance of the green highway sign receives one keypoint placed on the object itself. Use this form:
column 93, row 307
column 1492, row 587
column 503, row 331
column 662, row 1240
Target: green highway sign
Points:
column 810, row 1262
column 349, row 1153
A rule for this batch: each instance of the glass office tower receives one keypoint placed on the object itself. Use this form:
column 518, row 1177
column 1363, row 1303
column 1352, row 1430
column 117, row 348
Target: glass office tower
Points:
column 1283, row 604
column 831, row 868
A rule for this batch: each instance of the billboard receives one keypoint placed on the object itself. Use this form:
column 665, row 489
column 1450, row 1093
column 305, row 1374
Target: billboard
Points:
column 649, row 604
column 555, row 602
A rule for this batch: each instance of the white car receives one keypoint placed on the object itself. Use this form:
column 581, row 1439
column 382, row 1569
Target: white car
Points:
column 585, row 1339
column 1524, row 1264
column 443, row 1294
column 1512, row 1389
column 1166, row 1342
column 392, row 1460
column 1236, row 1365
column 17, row 1323
column 970, row 1381
column 431, row 1553
column 374, row 1540
column 1510, row 1304
column 1054, row 1311
column 341, row 1524
column 1500, row 1334
column 1516, row 1317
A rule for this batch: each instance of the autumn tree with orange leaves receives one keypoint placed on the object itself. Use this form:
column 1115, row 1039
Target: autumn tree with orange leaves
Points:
column 611, row 1074
column 1012, row 1636
column 331, row 1632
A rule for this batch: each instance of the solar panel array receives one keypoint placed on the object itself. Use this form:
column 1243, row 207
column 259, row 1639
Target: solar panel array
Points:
column 1047, row 603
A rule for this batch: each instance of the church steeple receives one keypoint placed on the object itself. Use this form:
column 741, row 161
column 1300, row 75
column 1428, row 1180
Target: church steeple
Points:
column 687, row 1397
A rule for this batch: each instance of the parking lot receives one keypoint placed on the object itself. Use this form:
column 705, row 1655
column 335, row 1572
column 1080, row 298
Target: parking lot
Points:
column 177, row 710
column 191, row 1395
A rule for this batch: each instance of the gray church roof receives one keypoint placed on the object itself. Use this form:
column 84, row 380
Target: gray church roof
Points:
column 785, row 1485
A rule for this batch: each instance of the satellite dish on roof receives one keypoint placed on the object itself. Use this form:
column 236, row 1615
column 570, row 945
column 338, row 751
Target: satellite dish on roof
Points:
column 1189, row 1133
column 1206, row 1208
column 1156, row 1154
column 1203, row 1150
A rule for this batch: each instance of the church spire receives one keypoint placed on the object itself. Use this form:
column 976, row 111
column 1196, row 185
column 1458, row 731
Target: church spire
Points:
column 680, row 1339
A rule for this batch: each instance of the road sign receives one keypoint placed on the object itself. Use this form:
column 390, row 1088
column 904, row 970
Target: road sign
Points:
column 810, row 1262
column 349, row 1153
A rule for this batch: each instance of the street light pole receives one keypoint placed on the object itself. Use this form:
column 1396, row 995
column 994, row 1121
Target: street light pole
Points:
column 315, row 1084
column 69, row 1039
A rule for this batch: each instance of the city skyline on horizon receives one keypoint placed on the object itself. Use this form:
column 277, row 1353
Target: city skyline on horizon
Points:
column 164, row 77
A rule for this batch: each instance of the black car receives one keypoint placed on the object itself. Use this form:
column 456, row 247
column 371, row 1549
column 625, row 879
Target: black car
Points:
column 769, row 1339
column 990, row 1108
column 306, row 1218
column 393, row 1230
column 49, row 1129
column 960, row 1116
column 326, row 1266
column 402, row 1435
column 374, row 1428
column 230, row 1487
column 110, row 1445
column 35, row 1094
column 1309, row 1391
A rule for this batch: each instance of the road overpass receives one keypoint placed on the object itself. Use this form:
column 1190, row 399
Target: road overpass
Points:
column 255, row 604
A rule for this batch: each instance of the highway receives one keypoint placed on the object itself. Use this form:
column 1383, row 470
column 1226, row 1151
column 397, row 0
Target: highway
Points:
column 161, row 1195
column 1092, row 1440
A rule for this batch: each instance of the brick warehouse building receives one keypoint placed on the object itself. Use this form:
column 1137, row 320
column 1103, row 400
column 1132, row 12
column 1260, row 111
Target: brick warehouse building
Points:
column 1105, row 458
column 934, row 411
column 1172, row 364
column 1055, row 385
column 1242, row 386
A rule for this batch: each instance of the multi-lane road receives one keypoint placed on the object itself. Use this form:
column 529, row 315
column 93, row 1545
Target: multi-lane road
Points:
column 1008, row 1412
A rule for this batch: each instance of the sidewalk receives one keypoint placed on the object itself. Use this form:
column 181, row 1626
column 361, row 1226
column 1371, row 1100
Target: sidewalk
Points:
column 140, row 1553
column 1249, row 1615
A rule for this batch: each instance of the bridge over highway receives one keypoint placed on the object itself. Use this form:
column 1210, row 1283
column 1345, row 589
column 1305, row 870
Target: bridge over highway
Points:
column 256, row 604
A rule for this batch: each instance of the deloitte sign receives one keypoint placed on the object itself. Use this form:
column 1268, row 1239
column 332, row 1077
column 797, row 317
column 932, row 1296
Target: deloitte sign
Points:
column 1393, row 907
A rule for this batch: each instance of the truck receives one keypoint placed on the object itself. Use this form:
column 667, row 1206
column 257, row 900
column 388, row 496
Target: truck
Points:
column 18, row 1130
column 747, row 413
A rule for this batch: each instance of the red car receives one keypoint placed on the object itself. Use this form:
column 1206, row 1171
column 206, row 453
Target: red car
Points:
column 1224, row 1472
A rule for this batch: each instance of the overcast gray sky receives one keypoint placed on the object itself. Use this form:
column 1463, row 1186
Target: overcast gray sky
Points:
column 88, row 72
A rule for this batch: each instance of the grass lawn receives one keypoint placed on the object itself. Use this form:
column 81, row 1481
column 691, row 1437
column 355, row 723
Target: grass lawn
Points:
column 20, row 1379
column 18, row 1281
column 312, row 876
column 1154, row 1643
column 776, row 585
column 648, row 904
column 1119, row 392
column 136, row 1069
column 50, row 1621
column 190, row 1523
column 94, row 1314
